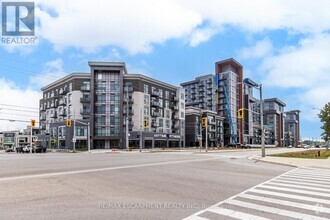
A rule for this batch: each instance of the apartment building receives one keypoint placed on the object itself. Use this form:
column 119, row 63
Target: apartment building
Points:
column 252, row 115
column 274, row 121
column 194, row 130
column 229, row 74
column 109, row 99
column 292, row 128
column 199, row 92
column 17, row 138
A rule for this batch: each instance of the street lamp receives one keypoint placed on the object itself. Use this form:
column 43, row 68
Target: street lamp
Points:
column 259, row 87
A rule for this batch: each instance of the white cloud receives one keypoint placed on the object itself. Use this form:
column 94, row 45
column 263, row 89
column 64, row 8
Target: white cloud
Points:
column 12, row 95
column 261, row 49
column 53, row 70
column 136, row 25
column 305, row 70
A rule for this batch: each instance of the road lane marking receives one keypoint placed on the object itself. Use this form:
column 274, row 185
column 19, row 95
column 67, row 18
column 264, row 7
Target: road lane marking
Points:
column 290, row 196
column 296, row 191
column 311, row 178
column 302, row 184
column 286, row 203
column 284, row 191
column 102, row 169
column 297, row 186
column 235, row 214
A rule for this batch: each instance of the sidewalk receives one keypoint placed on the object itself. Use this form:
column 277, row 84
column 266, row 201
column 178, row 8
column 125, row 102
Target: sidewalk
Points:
column 296, row 162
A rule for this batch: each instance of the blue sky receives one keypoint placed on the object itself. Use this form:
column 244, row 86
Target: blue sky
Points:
column 283, row 44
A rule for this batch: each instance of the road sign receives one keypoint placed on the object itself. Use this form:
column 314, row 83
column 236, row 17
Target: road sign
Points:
column 74, row 140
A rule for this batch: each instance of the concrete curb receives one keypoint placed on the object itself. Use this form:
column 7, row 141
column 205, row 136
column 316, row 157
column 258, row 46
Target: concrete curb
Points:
column 272, row 162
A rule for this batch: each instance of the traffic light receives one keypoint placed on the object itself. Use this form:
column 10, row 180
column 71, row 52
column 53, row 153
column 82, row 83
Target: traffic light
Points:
column 240, row 113
column 146, row 123
column 204, row 122
column 68, row 122
column 33, row 122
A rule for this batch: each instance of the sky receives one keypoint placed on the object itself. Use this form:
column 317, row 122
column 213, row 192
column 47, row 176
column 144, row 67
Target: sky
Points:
column 283, row 44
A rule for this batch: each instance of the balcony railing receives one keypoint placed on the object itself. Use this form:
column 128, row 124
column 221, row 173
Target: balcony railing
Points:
column 85, row 99
column 62, row 113
column 130, row 112
column 62, row 91
column 176, row 99
column 53, row 115
column 85, row 88
column 154, row 124
column 155, row 93
column 61, row 102
column 130, row 123
column 176, row 108
column 153, row 103
column 155, row 114
column 85, row 111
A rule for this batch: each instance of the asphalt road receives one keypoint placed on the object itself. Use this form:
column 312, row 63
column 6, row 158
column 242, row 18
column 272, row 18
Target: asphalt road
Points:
column 124, row 185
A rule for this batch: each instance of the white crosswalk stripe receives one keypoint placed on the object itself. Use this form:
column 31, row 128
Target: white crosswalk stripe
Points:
column 302, row 193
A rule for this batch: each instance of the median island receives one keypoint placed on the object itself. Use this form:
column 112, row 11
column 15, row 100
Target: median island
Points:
column 309, row 154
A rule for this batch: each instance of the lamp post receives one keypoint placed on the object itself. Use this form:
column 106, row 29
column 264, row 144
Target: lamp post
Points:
column 259, row 87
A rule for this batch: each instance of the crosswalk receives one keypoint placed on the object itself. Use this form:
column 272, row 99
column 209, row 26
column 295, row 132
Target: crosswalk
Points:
column 302, row 193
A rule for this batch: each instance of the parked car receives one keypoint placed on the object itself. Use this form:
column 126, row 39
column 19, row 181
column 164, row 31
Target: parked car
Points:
column 26, row 149
column 307, row 147
column 10, row 149
column 19, row 149
column 245, row 146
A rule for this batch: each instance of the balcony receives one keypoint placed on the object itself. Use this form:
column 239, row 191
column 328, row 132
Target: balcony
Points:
column 155, row 114
column 201, row 85
column 155, row 93
column 62, row 113
column 209, row 81
column 43, row 117
column 130, row 123
column 201, row 95
column 85, row 99
column 175, row 108
column 85, row 111
column 209, row 104
column 209, row 87
column 63, row 91
column 85, row 88
column 53, row 115
column 193, row 92
column 211, row 122
column 156, row 104
column 176, row 127
column 175, row 117
column 154, row 124
column 61, row 102
column 212, row 130
column 42, row 108
column 176, row 99
column 128, row 89
column 201, row 100
column 130, row 112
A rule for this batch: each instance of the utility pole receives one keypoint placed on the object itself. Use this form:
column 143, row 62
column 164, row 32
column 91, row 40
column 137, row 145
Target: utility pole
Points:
column 263, row 154
column 141, row 127
column 127, row 137
column 31, row 138
column 74, row 131
column 200, row 139
column 89, row 136
column 206, row 137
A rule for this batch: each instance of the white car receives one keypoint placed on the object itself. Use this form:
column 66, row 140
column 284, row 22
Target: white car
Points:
column 307, row 147
column 26, row 149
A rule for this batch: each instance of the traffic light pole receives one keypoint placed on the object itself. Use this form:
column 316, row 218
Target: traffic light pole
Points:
column 263, row 153
column 31, row 138
column 74, row 132
column 127, row 136
column 206, row 137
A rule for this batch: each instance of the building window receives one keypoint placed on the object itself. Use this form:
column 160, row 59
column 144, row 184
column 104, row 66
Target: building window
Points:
column 146, row 110
column 167, row 94
column 167, row 113
column 167, row 104
column 69, row 99
column 167, row 124
column 146, row 99
column 70, row 87
column 146, row 88
column 160, row 93
column 161, row 123
column 161, row 103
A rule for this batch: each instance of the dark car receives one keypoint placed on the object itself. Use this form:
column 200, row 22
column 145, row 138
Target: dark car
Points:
column 19, row 149
column 39, row 148
column 246, row 146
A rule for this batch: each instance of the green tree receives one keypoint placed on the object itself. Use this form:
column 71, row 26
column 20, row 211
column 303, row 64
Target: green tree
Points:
column 325, row 119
